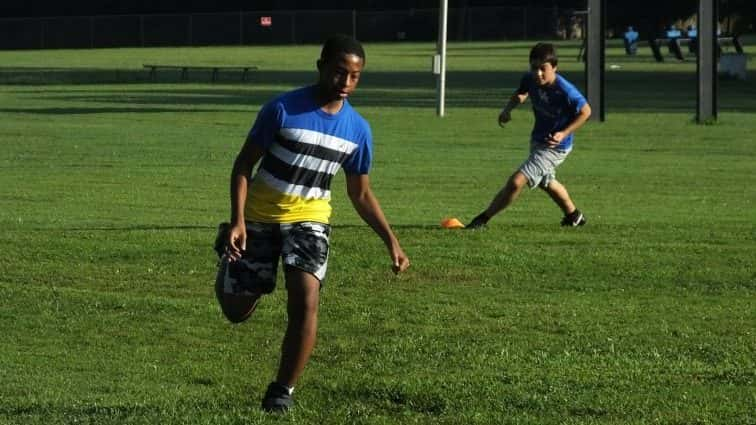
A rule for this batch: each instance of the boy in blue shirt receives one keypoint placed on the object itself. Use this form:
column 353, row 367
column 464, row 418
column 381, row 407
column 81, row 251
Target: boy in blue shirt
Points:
column 560, row 109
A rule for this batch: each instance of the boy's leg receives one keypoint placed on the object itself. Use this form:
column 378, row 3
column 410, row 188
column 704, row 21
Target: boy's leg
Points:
column 304, row 253
column 302, row 307
column 507, row 194
column 240, row 284
column 559, row 194
column 503, row 199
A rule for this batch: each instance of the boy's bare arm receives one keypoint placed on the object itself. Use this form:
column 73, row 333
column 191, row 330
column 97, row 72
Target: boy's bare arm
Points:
column 582, row 116
column 367, row 206
column 516, row 100
column 245, row 161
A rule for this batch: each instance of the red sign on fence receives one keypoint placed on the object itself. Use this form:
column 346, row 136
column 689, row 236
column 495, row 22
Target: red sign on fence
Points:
column 266, row 21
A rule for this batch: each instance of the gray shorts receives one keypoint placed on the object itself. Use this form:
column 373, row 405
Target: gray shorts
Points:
column 540, row 167
column 303, row 245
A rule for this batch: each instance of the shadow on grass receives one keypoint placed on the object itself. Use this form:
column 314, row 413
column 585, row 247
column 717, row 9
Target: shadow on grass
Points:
column 396, row 398
column 98, row 110
column 93, row 412
column 214, row 226
column 393, row 226
column 138, row 227
column 626, row 91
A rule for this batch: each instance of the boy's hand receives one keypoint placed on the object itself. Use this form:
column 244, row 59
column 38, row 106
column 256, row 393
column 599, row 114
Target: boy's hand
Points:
column 554, row 139
column 237, row 241
column 504, row 117
column 399, row 259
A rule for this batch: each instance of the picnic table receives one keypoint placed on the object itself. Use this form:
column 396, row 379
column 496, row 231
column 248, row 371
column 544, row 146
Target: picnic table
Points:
column 215, row 69
column 674, row 45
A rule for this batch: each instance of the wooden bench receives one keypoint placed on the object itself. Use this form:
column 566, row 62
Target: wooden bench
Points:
column 675, row 46
column 186, row 68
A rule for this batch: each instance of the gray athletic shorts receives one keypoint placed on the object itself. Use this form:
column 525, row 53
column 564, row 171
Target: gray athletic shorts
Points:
column 540, row 167
column 303, row 245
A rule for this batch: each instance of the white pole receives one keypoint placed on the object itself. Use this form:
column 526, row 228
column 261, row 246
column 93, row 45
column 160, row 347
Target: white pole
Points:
column 441, row 81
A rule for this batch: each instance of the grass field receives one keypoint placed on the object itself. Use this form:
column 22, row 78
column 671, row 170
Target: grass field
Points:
column 111, row 187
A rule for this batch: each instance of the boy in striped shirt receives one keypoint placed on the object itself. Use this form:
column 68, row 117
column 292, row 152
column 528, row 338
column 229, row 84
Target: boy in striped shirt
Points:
column 300, row 140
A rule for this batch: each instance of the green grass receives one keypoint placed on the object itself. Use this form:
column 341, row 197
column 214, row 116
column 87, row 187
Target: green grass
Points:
column 111, row 188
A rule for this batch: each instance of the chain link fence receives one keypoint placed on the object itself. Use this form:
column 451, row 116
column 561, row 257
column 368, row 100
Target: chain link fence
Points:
column 276, row 27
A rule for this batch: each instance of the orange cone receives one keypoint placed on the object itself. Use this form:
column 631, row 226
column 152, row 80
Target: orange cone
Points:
column 451, row 223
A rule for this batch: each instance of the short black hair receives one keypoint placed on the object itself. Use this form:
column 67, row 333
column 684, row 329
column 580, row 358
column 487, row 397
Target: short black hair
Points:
column 542, row 53
column 337, row 45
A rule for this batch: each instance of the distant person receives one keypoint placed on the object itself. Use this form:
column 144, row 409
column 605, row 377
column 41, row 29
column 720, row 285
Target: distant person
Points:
column 559, row 109
column 300, row 139
column 631, row 41
column 692, row 33
column 673, row 32
column 672, row 45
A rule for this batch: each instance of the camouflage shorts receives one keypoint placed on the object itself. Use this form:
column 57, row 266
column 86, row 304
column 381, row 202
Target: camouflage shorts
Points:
column 303, row 245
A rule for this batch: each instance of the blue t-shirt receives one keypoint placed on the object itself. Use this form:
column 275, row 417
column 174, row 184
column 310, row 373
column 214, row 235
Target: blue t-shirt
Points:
column 554, row 106
column 673, row 33
column 304, row 148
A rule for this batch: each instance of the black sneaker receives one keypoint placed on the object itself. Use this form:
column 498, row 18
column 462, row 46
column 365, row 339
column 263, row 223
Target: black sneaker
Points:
column 478, row 222
column 277, row 398
column 574, row 219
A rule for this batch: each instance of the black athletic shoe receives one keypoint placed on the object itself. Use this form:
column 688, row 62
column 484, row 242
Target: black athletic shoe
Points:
column 576, row 218
column 478, row 222
column 277, row 398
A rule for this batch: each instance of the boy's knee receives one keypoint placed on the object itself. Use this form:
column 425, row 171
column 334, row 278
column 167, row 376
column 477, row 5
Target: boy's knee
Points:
column 303, row 291
column 307, row 305
column 550, row 185
column 303, row 311
column 518, row 180
column 237, row 308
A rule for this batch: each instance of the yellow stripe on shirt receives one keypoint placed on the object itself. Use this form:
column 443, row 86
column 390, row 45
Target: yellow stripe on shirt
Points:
column 268, row 205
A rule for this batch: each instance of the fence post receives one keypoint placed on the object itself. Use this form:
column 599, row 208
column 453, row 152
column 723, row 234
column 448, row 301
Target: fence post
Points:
column 595, row 57
column 706, row 61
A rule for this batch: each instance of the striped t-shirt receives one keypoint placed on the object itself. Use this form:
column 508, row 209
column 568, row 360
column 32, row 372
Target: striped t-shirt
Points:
column 305, row 147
